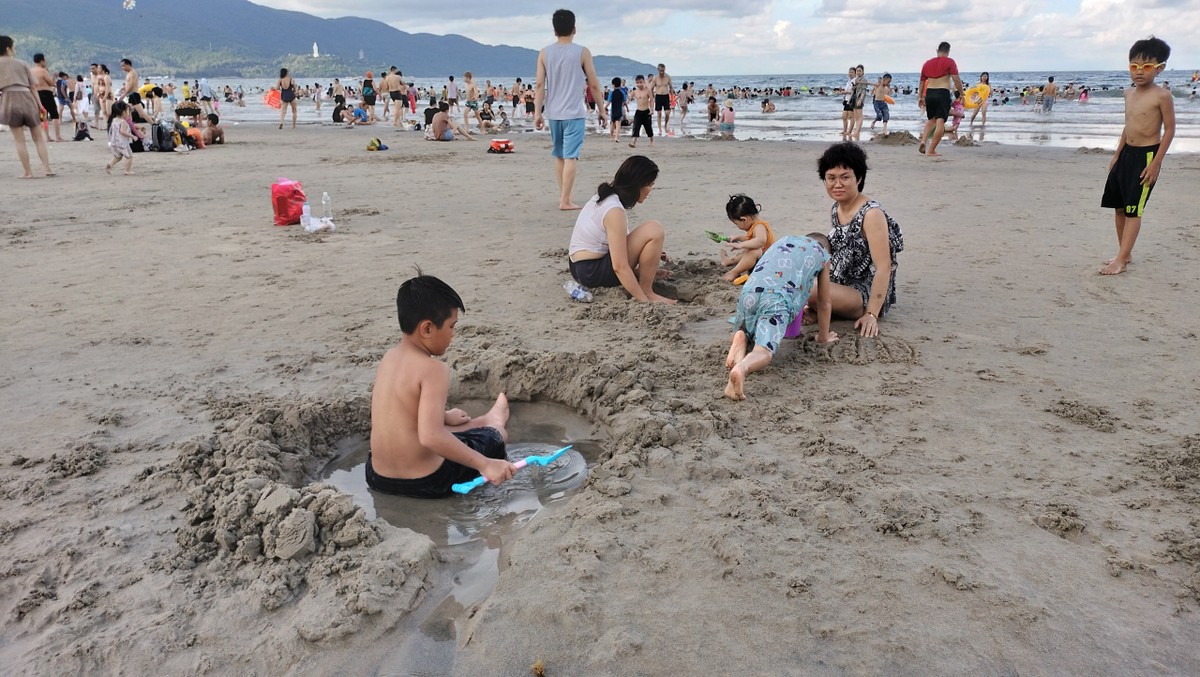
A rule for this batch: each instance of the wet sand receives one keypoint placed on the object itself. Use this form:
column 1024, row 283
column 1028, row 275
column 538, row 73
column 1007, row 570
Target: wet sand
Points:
column 1004, row 482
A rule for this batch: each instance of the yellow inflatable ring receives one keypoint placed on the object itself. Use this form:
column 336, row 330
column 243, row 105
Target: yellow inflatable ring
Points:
column 976, row 96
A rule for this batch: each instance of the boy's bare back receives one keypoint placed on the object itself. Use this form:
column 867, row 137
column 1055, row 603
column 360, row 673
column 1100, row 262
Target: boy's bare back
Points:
column 1145, row 110
column 407, row 379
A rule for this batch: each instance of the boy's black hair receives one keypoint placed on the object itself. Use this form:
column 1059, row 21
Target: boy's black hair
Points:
column 740, row 205
column 127, row 62
column 1050, row 79
column 845, row 154
column 616, row 82
column 943, row 46
column 425, row 297
column 213, row 119
column 822, row 239
column 443, row 106
column 564, row 22
column 1152, row 48
column 39, row 57
column 639, row 77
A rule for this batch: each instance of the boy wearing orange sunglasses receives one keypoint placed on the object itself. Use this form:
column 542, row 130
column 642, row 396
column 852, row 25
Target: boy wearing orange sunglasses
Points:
column 1149, row 129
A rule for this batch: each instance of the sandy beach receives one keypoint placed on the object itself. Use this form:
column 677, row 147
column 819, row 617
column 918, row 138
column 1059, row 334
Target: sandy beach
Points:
column 1005, row 482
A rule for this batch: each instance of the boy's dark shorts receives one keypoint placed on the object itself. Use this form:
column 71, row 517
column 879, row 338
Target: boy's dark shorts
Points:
column 937, row 104
column 595, row 272
column 1124, row 189
column 49, row 102
column 486, row 441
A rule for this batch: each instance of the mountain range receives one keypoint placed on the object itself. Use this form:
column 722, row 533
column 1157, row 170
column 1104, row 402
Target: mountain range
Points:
column 224, row 38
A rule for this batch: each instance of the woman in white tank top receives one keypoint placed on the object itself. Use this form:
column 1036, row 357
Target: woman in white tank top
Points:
column 604, row 252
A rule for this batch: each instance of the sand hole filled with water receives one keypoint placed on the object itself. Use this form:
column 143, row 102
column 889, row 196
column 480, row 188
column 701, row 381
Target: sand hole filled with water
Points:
column 472, row 531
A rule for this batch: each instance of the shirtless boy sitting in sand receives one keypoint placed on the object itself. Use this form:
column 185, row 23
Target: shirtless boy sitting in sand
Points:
column 418, row 447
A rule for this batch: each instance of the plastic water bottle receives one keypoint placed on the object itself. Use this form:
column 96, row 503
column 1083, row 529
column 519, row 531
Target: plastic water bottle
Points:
column 577, row 291
column 326, row 208
column 305, row 215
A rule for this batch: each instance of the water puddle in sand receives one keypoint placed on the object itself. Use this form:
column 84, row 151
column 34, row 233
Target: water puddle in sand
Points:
column 472, row 531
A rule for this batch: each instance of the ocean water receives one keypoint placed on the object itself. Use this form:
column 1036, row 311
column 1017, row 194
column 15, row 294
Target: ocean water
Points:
column 807, row 116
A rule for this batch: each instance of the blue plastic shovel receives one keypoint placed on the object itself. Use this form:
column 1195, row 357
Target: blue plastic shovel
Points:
column 465, row 487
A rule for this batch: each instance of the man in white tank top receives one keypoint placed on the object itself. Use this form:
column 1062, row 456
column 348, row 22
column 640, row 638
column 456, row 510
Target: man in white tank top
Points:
column 563, row 69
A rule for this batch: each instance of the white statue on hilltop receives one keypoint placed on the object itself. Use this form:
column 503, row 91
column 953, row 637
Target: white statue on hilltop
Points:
column 316, row 52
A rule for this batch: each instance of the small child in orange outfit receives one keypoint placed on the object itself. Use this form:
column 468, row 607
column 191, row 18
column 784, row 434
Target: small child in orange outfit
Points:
column 748, row 246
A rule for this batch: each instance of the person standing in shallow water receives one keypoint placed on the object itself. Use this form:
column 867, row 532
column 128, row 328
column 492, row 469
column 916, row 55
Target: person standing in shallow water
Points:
column 933, row 94
column 287, row 96
column 563, row 69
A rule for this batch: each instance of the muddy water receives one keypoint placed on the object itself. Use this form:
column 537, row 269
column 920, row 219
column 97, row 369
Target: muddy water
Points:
column 472, row 532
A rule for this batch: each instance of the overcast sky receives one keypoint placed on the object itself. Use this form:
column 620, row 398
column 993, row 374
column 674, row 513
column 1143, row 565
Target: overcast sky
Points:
column 727, row 37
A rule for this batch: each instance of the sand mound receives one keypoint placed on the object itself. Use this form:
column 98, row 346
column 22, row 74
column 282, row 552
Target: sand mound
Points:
column 255, row 535
column 895, row 139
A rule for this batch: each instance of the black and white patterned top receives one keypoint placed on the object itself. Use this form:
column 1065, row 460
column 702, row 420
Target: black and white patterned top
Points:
column 850, row 263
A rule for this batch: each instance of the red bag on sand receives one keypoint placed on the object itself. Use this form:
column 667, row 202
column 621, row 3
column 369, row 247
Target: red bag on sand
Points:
column 288, row 198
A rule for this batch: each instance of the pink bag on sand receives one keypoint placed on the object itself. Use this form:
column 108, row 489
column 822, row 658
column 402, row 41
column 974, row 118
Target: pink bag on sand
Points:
column 288, row 198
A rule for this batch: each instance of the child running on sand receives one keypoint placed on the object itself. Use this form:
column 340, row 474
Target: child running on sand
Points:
column 418, row 447
column 771, row 299
column 120, row 137
column 746, row 247
column 1149, row 130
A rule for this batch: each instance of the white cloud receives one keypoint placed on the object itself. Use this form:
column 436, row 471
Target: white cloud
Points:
column 813, row 36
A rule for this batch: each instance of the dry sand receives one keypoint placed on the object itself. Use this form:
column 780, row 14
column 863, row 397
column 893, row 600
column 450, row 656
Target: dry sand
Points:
column 1004, row 482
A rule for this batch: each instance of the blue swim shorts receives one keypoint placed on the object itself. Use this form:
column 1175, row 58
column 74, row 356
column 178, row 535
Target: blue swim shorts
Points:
column 566, row 137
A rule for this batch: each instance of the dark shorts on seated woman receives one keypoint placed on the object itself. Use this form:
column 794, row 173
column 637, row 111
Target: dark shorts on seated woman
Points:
column 595, row 272
column 437, row 484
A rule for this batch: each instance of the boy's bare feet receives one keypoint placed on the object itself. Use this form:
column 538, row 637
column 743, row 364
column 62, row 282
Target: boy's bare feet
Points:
column 107, row 169
column 570, row 206
column 921, row 148
column 735, row 388
column 1114, row 267
column 737, row 349
column 497, row 416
